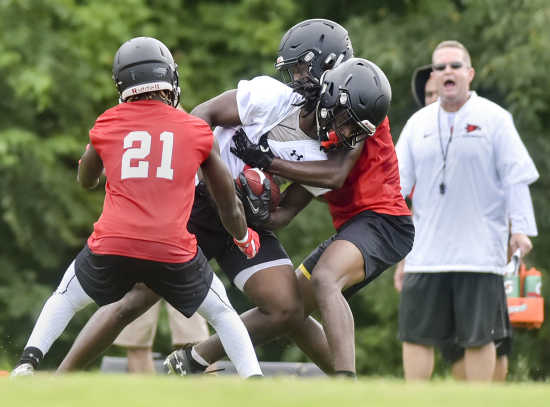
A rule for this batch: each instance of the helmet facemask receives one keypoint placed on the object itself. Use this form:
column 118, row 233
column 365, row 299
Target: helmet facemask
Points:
column 176, row 90
column 294, row 68
column 334, row 119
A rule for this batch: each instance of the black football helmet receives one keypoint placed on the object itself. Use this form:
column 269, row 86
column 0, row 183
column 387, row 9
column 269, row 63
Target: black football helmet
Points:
column 319, row 43
column 356, row 92
column 145, row 64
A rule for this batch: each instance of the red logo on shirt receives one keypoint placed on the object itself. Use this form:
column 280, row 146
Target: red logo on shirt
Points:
column 472, row 127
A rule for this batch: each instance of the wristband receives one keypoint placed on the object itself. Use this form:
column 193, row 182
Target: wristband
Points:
column 244, row 239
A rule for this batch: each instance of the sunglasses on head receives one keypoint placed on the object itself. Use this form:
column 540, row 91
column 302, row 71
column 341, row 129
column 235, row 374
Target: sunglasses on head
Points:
column 454, row 65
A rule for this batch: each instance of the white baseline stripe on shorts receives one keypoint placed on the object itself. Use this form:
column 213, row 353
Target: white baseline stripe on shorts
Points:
column 243, row 276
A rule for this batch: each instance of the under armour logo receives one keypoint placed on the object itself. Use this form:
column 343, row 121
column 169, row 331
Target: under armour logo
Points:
column 179, row 368
column 295, row 154
column 264, row 149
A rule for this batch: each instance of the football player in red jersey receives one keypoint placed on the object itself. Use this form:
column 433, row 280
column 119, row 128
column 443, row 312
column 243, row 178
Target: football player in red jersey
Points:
column 374, row 228
column 268, row 280
column 150, row 153
column 362, row 236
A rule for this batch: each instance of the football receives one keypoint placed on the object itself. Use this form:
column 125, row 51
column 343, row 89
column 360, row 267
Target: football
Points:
column 255, row 179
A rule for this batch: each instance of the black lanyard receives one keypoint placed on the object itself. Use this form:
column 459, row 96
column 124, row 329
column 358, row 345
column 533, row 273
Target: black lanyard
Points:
column 444, row 151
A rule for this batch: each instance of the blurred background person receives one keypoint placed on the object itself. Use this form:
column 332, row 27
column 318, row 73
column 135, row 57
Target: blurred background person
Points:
column 453, row 289
column 138, row 336
column 424, row 91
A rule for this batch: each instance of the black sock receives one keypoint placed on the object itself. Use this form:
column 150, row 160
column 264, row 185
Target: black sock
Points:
column 31, row 355
column 345, row 373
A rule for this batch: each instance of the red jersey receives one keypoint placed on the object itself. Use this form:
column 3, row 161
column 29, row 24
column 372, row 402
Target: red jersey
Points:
column 372, row 184
column 151, row 153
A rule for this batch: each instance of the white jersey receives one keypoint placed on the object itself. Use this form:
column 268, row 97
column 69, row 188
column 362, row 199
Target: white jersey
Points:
column 466, row 227
column 268, row 106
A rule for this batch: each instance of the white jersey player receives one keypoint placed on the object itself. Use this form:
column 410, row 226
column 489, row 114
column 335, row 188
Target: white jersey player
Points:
column 268, row 108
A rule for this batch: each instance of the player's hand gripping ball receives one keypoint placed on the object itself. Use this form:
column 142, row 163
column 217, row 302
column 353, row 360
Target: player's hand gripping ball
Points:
column 255, row 178
column 259, row 193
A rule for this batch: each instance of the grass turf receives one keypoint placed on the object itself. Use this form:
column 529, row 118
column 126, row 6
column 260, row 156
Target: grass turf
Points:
column 102, row 390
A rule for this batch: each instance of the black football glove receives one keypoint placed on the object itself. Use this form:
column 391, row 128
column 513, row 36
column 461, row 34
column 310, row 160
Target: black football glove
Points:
column 256, row 155
column 256, row 207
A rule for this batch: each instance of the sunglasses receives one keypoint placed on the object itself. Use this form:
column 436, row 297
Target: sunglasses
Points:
column 454, row 65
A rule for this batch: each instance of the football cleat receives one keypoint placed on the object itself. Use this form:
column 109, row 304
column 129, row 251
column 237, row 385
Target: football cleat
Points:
column 180, row 362
column 24, row 369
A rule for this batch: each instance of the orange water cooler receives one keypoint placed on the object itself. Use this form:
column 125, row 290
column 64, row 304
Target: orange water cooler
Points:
column 527, row 309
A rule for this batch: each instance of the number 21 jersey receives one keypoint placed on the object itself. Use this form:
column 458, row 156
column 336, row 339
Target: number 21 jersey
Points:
column 151, row 153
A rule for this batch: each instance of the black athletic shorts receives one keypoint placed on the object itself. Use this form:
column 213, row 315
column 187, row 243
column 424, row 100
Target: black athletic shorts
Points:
column 107, row 278
column 216, row 243
column 382, row 239
column 452, row 353
column 465, row 309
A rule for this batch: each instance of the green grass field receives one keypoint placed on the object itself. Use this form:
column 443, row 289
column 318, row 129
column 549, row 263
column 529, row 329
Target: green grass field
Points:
column 102, row 390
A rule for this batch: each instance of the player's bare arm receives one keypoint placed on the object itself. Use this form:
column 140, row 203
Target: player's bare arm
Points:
column 222, row 189
column 295, row 198
column 330, row 173
column 89, row 168
column 221, row 110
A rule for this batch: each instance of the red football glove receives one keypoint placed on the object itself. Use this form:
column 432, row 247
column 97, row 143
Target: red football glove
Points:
column 250, row 244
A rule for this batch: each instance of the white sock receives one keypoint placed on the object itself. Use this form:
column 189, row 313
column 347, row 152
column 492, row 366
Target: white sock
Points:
column 67, row 300
column 219, row 313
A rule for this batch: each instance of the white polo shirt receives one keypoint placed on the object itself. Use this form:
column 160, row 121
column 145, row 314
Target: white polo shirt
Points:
column 466, row 227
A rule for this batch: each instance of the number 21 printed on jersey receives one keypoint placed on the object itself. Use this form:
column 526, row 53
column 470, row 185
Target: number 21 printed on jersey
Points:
column 140, row 153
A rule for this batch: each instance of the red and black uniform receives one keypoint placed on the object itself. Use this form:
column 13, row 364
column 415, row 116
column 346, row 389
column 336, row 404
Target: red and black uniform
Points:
column 372, row 184
column 151, row 153
column 369, row 210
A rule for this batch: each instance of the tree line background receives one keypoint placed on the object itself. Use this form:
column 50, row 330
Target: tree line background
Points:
column 55, row 75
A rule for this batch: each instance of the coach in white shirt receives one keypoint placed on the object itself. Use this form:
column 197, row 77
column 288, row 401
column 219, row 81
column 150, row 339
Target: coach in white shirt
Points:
column 471, row 174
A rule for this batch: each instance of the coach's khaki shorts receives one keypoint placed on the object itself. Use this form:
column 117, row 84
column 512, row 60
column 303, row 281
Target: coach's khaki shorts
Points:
column 141, row 332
